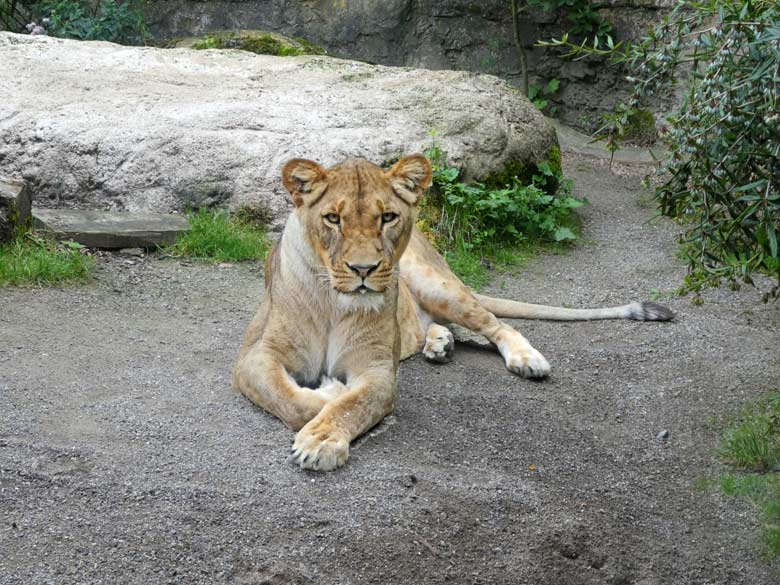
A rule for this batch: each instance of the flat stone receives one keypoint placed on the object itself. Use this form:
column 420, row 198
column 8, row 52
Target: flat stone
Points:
column 15, row 206
column 111, row 229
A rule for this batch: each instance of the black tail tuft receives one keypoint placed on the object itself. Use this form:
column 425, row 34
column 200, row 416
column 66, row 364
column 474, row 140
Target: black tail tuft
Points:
column 654, row 312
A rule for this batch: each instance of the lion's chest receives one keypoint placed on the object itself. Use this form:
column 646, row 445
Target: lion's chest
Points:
column 322, row 352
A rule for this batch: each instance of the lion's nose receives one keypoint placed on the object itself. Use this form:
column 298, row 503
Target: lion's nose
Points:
column 362, row 269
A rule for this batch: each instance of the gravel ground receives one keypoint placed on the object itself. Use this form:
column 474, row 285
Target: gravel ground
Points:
column 125, row 457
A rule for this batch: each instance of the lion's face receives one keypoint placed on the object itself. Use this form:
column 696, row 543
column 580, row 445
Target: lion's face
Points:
column 358, row 217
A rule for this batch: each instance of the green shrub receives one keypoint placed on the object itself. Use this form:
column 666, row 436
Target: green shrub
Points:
column 32, row 260
column 584, row 19
column 104, row 20
column 539, row 94
column 215, row 236
column 722, row 177
column 499, row 220
column 505, row 209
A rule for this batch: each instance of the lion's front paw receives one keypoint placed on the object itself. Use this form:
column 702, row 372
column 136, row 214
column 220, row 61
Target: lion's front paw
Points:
column 439, row 347
column 528, row 363
column 320, row 448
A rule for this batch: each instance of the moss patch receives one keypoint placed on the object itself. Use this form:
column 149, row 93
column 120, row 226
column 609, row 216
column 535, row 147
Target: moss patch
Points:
column 309, row 47
column 258, row 42
column 555, row 160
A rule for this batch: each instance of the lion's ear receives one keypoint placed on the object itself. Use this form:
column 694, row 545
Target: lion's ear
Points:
column 304, row 179
column 410, row 177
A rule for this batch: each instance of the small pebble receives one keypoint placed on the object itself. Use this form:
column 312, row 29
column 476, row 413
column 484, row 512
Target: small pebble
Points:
column 663, row 435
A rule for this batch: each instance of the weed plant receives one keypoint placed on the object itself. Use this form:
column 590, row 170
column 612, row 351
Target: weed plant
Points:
column 33, row 260
column 215, row 236
column 752, row 447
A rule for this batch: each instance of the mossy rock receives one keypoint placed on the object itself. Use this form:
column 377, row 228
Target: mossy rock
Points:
column 255, row 41
column 256, row 215
column 641, row 128
column 204, row 194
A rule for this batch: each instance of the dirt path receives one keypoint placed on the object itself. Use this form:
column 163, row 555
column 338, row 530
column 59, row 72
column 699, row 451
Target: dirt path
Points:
column 124, row 458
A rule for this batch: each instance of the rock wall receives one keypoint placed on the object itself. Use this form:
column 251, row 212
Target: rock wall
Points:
column 103, row 126
column 434, row 34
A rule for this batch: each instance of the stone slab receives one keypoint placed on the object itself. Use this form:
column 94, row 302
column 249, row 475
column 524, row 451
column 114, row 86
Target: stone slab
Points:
column 15, row 206
column 111, row 229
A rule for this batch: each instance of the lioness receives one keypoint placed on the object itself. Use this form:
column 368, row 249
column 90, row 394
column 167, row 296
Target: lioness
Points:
column 352, row 288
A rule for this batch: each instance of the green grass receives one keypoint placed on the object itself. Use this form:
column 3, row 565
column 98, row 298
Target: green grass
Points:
column 751, row 446
column 469, row 267
column 215, row 236
column 753, row 442
column 32, row 260
column 763, row 492
column 475, row 267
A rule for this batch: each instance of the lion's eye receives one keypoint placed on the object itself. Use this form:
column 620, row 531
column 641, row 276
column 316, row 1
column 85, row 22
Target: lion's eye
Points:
column 388, row 217
column 332, row 218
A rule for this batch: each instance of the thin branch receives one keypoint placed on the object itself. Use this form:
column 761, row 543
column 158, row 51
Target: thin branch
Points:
column 519, row 44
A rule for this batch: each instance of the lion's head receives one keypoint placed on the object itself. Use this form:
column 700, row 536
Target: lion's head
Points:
column 358, row 217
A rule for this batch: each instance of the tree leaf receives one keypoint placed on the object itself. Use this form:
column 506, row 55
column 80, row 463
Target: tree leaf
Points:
column 770, row 234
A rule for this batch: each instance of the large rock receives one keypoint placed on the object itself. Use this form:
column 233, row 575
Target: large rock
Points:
column 99, row 125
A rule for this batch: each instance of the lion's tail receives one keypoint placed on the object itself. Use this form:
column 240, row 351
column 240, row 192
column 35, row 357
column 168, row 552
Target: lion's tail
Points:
column 645, row 311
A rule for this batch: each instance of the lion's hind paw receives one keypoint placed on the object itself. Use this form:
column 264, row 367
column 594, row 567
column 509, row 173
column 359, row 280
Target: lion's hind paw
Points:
column 439, row 345
column 528, row 364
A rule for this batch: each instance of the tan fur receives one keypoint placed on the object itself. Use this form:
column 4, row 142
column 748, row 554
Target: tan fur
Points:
column 351, row 288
